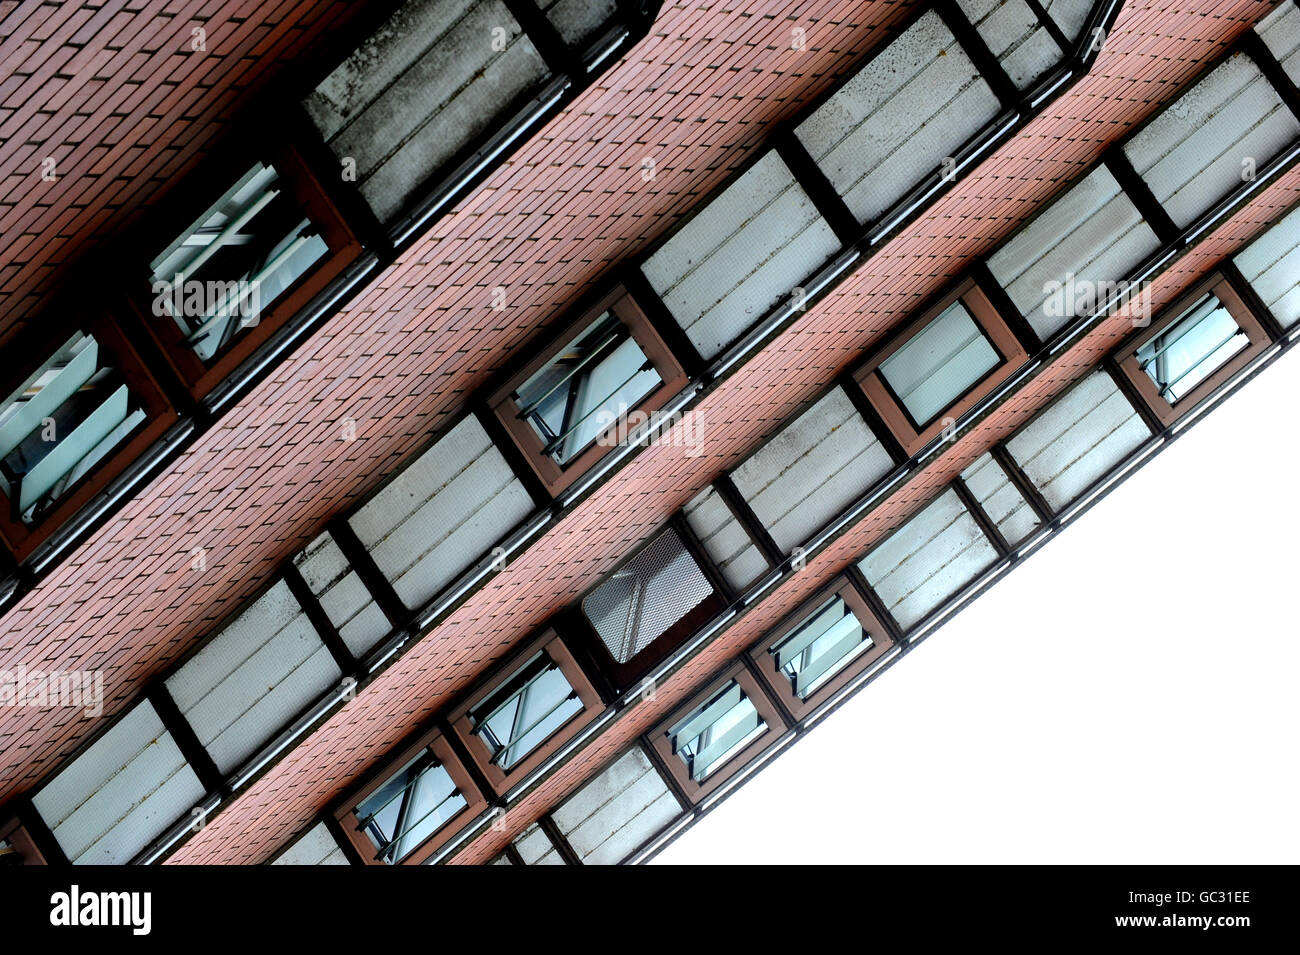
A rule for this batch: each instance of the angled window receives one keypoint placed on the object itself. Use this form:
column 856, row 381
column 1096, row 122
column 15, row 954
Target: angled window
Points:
column 1199, row 343
column 513, row 723
column 1198, row 150
column 1271, row 264
column 717, row 733
column 68, row 424
column 643, row 609
column 821, row 647
column 940, row 366
column 582, row 397
column 247, row 260
column 412, row 807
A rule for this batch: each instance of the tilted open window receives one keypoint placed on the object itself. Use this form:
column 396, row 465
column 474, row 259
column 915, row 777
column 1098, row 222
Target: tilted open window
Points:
column 1200, row 342
column 573, row 403
column 412, row 807
column 940, row 366
column 511, row 725
column 821, row 647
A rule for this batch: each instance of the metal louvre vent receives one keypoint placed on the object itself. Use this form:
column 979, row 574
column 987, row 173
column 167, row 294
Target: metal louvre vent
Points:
column 641, row 600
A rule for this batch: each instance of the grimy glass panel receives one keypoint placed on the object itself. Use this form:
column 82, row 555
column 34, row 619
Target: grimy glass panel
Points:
column 1192, row 348
column 819, row 647
column 239, row 256
column 414, row 804
column 939, row 364
column 594, row 380
column 60, row 423
column 714, row 732
column 534, row 702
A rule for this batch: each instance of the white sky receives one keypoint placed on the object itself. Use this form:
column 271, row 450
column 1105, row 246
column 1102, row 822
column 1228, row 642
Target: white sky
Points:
column 1127, row 695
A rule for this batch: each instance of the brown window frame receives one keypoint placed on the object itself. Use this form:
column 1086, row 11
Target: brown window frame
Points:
column 1219, row 285
column 22, row 842
column 765, row 663
column 554, row 477
column 767, row 711
column 911, row 435
column 501, row 780
column 43, row 340
column 475, row 802
column 343, row 247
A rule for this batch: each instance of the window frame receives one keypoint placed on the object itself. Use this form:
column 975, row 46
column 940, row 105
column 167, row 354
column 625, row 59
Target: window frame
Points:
column 555, row 477
column 551, row 644
column 15, row 833
column 309, row 195
column 767, row 709
column 1219, row 285
column 41, row 343
column 475, row 802
column 912, row 435
column 882, row 640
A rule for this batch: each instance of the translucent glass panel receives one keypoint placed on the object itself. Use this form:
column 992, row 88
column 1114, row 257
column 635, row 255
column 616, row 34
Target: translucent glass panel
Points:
column 1280, row 31
column 121, row 793
column 344, row 598
column 578, row 20
column 1271, row 264
column 724, row 539
column 594, row 381
column 1015, row 36
column 1000, row 499
column 820, row 647
column 535, row 847
column 61, row 422
column 1073, row 254
column 715, row 731
column 1070, row 15
column 239, row 256
column 253, row 678
column 1196, row 151
column 415, row 802
column 435, row 76
column 928, row 560
column 812, row 470
column 745, row 252
column 1078, row 439
column 532, row 703
column 939, row 364
column 914, row 104
column 637, row 603
column 618, row 811
column 317, row 847
column 443, row 513
column 1191, row 349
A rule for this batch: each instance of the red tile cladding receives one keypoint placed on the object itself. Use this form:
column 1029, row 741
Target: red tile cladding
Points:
column 1153, row 52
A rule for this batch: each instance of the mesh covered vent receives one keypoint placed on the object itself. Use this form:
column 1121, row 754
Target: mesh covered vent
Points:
column 639, row 602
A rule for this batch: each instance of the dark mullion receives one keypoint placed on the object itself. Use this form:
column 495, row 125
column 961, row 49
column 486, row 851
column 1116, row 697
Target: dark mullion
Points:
column 1020, row 480
column 791, row 721
column 320, row 621
column 976, row 509
column 34, row 824
column 634, row 282
column 868, row 593
column 669, row 780
column 1050, row 25
column 381, row 589
column 1253, row 45
column 813, row 181
column 341, row 839
column 1005, row 307
column 1257, row 306
column 554, row 51
column 186, row 740
column 973, row 45
column 511, row 853
column 548, row 826
column 1137, row 190
column 875, row 423
column 726, row 489
column 1144, row 411
column 467, row 761
column 695, row 547
column 514, row 456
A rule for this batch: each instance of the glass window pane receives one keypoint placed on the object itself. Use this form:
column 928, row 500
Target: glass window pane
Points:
column 820, row 647
column 240, row 256
column 414, row 804
column 531, row 705
column 715, row 731
column 939, row 364
column 1192, row 348
column 60, row 423
column 593, row 382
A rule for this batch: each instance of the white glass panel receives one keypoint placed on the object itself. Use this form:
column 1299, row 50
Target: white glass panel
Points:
column 939, row 364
